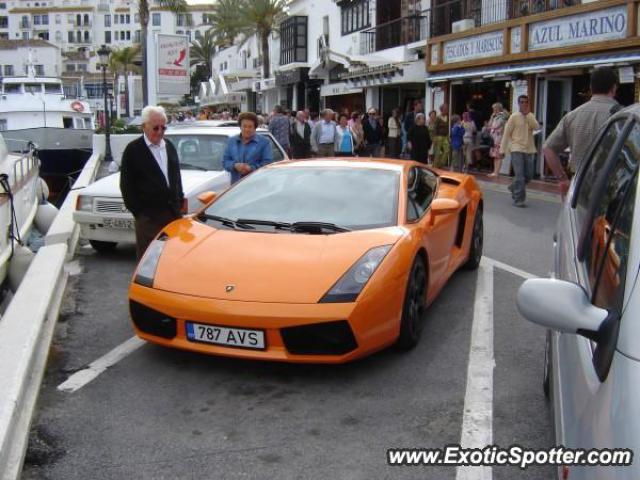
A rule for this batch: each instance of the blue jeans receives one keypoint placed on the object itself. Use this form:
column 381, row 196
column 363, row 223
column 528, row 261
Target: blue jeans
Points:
column 522, row 164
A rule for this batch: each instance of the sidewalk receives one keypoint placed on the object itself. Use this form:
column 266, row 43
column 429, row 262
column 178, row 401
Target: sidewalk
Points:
column 538, row 189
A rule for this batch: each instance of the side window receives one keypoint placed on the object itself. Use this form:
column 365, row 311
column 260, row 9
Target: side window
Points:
column 606, row 259
column 592, row 171
column 422, row 187
column 277, row 154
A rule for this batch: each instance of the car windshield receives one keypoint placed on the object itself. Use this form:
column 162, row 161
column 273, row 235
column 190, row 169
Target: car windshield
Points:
column 205, row 152
column 352, row 198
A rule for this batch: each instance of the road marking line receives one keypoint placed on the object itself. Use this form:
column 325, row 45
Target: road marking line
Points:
column 477, row 418
column 82, row 377
column 508, row 268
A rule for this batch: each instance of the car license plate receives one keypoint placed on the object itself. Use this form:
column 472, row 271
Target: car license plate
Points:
column 230, row 337
column 119, row 223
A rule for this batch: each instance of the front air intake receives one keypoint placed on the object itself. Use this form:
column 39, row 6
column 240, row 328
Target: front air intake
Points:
column 151, row 321
column 330, row 338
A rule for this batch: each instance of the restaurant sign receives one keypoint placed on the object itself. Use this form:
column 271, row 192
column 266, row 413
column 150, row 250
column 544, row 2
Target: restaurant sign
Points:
column 471, row 48
column 582, row 29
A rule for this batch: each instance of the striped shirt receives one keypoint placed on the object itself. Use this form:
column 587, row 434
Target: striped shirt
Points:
column 579, row 127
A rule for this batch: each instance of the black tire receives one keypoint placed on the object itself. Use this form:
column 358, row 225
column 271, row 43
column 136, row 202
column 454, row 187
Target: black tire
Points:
column 546, row 373
column 101, row 246
column 414, row 307
column 477, row 242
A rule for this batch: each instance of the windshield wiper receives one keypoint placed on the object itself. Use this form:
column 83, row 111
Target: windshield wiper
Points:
column 194, row 167
column 268, row 223
column 227, row 221
column 318, row 227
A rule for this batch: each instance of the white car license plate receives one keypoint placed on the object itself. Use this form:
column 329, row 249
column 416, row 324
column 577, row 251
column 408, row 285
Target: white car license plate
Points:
column 230, row 337
column 119, row 223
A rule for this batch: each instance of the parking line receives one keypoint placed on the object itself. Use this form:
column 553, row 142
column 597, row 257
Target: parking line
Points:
column 508, row 268
column 477, row 418
column 83, row 377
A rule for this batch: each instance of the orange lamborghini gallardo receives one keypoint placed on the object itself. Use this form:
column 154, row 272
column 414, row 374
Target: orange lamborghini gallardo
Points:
column 323, row 260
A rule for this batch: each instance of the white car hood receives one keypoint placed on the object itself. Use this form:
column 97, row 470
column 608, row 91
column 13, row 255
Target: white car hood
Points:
column 109, row 186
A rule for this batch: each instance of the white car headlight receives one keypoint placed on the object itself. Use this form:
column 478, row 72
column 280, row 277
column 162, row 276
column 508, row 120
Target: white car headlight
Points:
column 149, row 263
column 84, row 203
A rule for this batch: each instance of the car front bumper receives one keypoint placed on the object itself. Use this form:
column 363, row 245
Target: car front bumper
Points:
column 100, row 227
column 373, row 324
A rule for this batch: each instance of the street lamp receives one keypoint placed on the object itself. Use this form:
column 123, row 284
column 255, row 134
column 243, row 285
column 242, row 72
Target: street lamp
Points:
column 103, row 56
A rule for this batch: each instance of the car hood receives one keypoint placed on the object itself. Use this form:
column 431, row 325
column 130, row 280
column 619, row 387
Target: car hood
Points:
column 109, row 186
column 203, row 261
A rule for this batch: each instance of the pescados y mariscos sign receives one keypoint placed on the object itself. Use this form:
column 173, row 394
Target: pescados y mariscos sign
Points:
column 598, row 26
column 480, row 46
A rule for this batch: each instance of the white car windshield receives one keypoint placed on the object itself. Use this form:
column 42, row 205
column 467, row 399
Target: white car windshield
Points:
column 205, row 152
column 353, row 198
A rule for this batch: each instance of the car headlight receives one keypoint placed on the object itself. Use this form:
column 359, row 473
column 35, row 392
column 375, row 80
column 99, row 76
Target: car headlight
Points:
column 84, row 203
column 149, row 263
column 351, row 283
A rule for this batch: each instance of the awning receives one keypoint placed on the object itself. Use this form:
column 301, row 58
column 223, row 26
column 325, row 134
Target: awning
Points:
column 535, row 67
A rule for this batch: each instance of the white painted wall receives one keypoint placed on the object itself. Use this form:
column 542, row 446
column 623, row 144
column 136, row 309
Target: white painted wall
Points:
column 48, row 57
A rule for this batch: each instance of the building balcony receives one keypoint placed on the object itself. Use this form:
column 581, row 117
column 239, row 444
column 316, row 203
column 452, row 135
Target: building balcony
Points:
column 396, row 33
column 449, row 17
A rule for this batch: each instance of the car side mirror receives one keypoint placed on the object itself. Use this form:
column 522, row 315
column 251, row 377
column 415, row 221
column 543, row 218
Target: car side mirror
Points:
column 207, row 197
column 443, row 206
column 561, row 306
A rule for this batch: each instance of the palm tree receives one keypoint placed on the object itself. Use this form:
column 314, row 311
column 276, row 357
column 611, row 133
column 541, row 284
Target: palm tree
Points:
column 224, row 28
column 202, row 51
column 125, row 58
column 175, row 6
column 248, row 18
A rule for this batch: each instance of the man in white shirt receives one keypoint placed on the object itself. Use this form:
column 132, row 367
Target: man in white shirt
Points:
column 323, row 135
column 150, row 179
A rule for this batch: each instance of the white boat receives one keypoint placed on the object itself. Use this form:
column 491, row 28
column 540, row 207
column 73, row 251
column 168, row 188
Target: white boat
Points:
column 22, row 204
column 35, row 109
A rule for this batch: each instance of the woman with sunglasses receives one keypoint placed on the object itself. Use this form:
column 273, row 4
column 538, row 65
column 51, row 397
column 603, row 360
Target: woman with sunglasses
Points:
column 150, row 179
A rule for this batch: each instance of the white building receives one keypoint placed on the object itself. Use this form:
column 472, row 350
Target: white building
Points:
column 15, row 54
column 350, row 54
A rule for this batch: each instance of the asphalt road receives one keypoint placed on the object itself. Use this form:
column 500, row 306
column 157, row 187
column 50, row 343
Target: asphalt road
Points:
column 160, row 413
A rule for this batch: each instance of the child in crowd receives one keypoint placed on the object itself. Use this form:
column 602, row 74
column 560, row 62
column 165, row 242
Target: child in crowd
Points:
column 457, row 142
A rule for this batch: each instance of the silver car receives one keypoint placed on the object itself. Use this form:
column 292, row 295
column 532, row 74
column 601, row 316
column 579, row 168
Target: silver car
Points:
column 592, row 305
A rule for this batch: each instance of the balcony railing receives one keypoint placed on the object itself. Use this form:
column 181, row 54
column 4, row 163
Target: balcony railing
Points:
column 444, row 15
column 395, row 33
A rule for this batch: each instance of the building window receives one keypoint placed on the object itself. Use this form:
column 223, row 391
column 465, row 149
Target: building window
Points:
column 155, row 20
column 198, row 35
column 107, row 20
column 43, row 35
column 3, row 124
column 82, row 67
column 136, row 18
column 107, row 36
column 128, row 35
column 4, row 22
column 3, row 6
column 78, row 20
column 70, row 18
column 4, row 36
column 78, row 37
column 293, row 40
column 45, row 19
column 39, row 70
column 58, row 19
column 36, row 20
column 24, row 22
column 70, row 67
column 25, row 35
column 122, row 19
column 58, row 36
column 86, row 19
column 116, row 19
column 128, row 18
column 70, row 37
column 354, row 16
column 8, row 70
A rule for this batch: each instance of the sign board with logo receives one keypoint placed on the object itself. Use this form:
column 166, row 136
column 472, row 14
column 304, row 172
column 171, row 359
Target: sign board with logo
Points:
column 338, row 89
column 471, row 48
column 172, row 64
column 582, row 29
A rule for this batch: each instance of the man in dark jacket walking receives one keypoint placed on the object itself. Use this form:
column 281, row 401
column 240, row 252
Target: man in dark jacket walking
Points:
column 373, row 134
column 301, row 137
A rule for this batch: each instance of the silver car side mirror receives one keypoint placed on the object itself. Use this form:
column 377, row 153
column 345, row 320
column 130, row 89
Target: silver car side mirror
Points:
column 559, row 305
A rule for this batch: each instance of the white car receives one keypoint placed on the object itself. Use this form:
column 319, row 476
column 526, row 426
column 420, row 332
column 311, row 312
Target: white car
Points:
column 100, row 211
column 592, row 307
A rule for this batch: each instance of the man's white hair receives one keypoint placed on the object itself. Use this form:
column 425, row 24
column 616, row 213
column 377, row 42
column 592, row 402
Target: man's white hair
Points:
column 150, row 110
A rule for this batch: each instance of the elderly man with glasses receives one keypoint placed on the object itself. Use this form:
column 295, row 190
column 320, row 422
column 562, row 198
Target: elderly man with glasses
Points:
column 150, row 179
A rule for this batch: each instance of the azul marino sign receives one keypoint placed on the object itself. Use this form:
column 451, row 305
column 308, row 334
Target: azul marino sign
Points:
column 479, row 46
column 586, row 28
